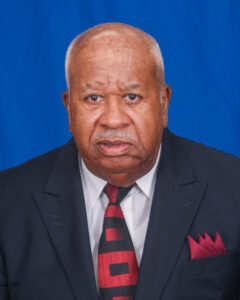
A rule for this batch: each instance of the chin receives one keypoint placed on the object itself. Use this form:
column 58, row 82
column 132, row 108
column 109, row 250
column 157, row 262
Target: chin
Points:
column 117, row 164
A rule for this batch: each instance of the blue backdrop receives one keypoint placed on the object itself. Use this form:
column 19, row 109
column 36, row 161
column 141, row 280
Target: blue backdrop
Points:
column 200, row 42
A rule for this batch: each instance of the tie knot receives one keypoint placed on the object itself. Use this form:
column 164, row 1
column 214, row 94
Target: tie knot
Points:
column 116, row 194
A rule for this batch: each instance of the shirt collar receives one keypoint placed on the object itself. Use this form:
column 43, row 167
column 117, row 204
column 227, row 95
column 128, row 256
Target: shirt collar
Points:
column 93, row 185
column 147, row 182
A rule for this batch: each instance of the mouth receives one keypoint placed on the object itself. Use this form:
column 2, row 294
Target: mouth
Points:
column 113, row 147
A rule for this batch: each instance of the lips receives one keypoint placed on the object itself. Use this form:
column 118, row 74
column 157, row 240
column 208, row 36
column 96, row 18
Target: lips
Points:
column 113, row 147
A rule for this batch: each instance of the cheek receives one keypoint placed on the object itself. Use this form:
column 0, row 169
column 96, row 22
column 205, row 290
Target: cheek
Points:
column 149, row 126
column 82, row 127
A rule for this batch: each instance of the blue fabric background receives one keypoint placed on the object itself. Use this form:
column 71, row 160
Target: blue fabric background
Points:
column 200, row 42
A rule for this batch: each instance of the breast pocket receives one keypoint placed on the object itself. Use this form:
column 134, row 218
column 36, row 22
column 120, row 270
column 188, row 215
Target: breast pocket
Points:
column 213, row 264
column 212, row 278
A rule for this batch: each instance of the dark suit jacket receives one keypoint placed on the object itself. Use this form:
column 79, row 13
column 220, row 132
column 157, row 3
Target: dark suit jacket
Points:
column 44, row 243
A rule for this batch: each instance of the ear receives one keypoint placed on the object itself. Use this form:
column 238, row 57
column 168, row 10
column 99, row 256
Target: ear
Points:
column 66, row 102
column 166, row 95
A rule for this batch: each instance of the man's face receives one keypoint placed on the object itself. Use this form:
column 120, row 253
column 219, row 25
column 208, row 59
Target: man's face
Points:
column 115, row 112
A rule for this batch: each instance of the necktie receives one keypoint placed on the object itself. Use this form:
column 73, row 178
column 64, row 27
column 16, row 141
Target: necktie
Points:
column 117, row 264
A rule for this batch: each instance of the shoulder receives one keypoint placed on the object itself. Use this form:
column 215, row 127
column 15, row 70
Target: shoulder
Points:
column 207, row 161
column 18, row 184
column 33, row 168
column 33, row 174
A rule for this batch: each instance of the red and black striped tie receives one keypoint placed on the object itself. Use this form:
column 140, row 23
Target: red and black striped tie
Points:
column 117, row 263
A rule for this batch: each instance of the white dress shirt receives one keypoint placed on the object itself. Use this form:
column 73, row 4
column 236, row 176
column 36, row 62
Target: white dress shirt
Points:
column 136, row 208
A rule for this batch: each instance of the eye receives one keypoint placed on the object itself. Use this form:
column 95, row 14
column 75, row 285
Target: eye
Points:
column 132, row 97
column 93, row 98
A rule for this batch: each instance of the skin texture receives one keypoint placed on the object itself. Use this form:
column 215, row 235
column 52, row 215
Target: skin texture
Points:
column 117, row 103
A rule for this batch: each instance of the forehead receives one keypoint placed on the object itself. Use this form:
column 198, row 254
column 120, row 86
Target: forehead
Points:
column 112, row 59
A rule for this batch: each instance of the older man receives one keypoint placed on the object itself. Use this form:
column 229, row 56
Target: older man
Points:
column 125, row 210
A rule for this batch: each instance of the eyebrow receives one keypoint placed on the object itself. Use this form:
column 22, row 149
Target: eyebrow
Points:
column 92, row 85
column 122, row 86
column 130, row 87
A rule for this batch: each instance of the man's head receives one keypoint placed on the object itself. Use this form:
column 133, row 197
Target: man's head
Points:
column 117, row 101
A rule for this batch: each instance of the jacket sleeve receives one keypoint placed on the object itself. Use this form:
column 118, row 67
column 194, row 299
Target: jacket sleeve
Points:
column 3, row 281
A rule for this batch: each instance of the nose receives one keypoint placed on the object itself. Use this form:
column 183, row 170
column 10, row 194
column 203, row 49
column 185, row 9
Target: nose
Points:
column 114, row 114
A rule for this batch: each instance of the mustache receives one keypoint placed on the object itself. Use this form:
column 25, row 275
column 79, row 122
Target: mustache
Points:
column 114, row 133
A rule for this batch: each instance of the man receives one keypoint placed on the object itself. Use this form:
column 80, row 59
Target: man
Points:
column 125, row 210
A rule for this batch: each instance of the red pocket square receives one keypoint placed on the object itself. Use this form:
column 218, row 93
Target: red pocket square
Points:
column 205, row 246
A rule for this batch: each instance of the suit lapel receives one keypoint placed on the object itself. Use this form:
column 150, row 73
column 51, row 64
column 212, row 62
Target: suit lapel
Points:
column 176, row 199
column 62, row 209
